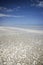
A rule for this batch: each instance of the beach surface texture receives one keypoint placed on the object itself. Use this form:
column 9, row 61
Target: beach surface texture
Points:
column 20, row 46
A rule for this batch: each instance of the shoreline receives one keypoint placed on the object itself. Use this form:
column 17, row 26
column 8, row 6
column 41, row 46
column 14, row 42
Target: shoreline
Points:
column 21, row 29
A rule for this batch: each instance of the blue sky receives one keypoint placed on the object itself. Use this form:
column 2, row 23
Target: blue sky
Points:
column 21, row 12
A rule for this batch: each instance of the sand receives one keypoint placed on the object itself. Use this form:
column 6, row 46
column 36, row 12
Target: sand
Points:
column 20, row 46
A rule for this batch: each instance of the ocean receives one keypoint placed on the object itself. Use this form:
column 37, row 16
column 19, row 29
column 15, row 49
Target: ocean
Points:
column 33, row 27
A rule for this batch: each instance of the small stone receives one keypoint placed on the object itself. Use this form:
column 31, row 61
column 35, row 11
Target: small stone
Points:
column 4, row 63
column 18, row 64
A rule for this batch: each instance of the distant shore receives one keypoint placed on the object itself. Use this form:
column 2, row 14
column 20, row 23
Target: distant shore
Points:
column 21, row 29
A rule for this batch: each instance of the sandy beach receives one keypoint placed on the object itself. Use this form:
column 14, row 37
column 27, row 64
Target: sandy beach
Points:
column 19, row 46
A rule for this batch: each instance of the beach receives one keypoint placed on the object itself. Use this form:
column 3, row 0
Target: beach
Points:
column 19, row 46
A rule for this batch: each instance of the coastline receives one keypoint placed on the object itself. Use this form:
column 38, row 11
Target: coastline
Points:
column 21, row 29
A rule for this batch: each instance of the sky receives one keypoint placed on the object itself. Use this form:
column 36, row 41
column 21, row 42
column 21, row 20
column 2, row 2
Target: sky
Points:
column 21, row 12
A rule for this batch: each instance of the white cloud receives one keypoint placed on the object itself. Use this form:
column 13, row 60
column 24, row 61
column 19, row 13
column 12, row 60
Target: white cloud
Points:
column 17, row 8
column 6, row 9
column 9, row 9
column 40, row 4
column 0, row 8
column 3, row 8
column 5, row 15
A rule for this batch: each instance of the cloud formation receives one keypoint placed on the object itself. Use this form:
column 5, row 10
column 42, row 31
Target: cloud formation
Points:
column 40, row 4
column 37, row 3
column 5, row 15
column 9, row 9
column 3, row 8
